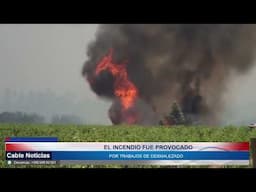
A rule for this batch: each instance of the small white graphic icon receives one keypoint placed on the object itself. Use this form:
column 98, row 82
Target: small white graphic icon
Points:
column 9, row 162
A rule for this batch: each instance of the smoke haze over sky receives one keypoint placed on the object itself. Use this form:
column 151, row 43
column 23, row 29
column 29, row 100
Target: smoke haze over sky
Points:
column 190, row 63
column 41, row 58
column 49, row 58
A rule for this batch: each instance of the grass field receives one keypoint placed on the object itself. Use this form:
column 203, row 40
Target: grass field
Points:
column 93, row 133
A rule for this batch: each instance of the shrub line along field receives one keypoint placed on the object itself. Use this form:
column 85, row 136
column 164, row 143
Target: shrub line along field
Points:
column 122, row 133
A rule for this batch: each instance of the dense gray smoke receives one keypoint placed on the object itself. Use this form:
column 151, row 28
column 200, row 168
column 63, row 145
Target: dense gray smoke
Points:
column 187, row 63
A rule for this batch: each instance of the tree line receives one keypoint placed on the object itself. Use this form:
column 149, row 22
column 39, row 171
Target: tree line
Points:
column 22, row 117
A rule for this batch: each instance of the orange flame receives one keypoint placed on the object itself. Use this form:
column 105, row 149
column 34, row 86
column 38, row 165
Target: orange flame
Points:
column 124, row 89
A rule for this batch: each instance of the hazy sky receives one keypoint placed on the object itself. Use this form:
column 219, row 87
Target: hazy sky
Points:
column 50, row 57
column 44, row 56
column 47, row 56
column 240, row 99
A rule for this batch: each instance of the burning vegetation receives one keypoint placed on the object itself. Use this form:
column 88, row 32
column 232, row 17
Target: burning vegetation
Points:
column 124, row 89
column 187, row 63
column 125, row 108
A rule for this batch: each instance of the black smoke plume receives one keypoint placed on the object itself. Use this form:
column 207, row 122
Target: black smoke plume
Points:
column 187, row 63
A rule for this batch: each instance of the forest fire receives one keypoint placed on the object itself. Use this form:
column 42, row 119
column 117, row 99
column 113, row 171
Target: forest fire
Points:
column 188, row 63
column 124, row 89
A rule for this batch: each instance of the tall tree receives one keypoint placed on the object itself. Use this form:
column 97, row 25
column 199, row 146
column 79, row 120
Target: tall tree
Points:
column 176, row 114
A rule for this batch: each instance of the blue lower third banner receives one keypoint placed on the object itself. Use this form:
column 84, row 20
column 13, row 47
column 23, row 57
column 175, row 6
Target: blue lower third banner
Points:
column 149, row 155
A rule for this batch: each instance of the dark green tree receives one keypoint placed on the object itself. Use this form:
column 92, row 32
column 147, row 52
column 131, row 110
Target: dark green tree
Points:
column 177, row 115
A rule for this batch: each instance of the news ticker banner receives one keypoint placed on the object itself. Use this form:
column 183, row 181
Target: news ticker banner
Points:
column 47, row 150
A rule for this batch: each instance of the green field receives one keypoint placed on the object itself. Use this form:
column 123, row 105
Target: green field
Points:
column 95, row 133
